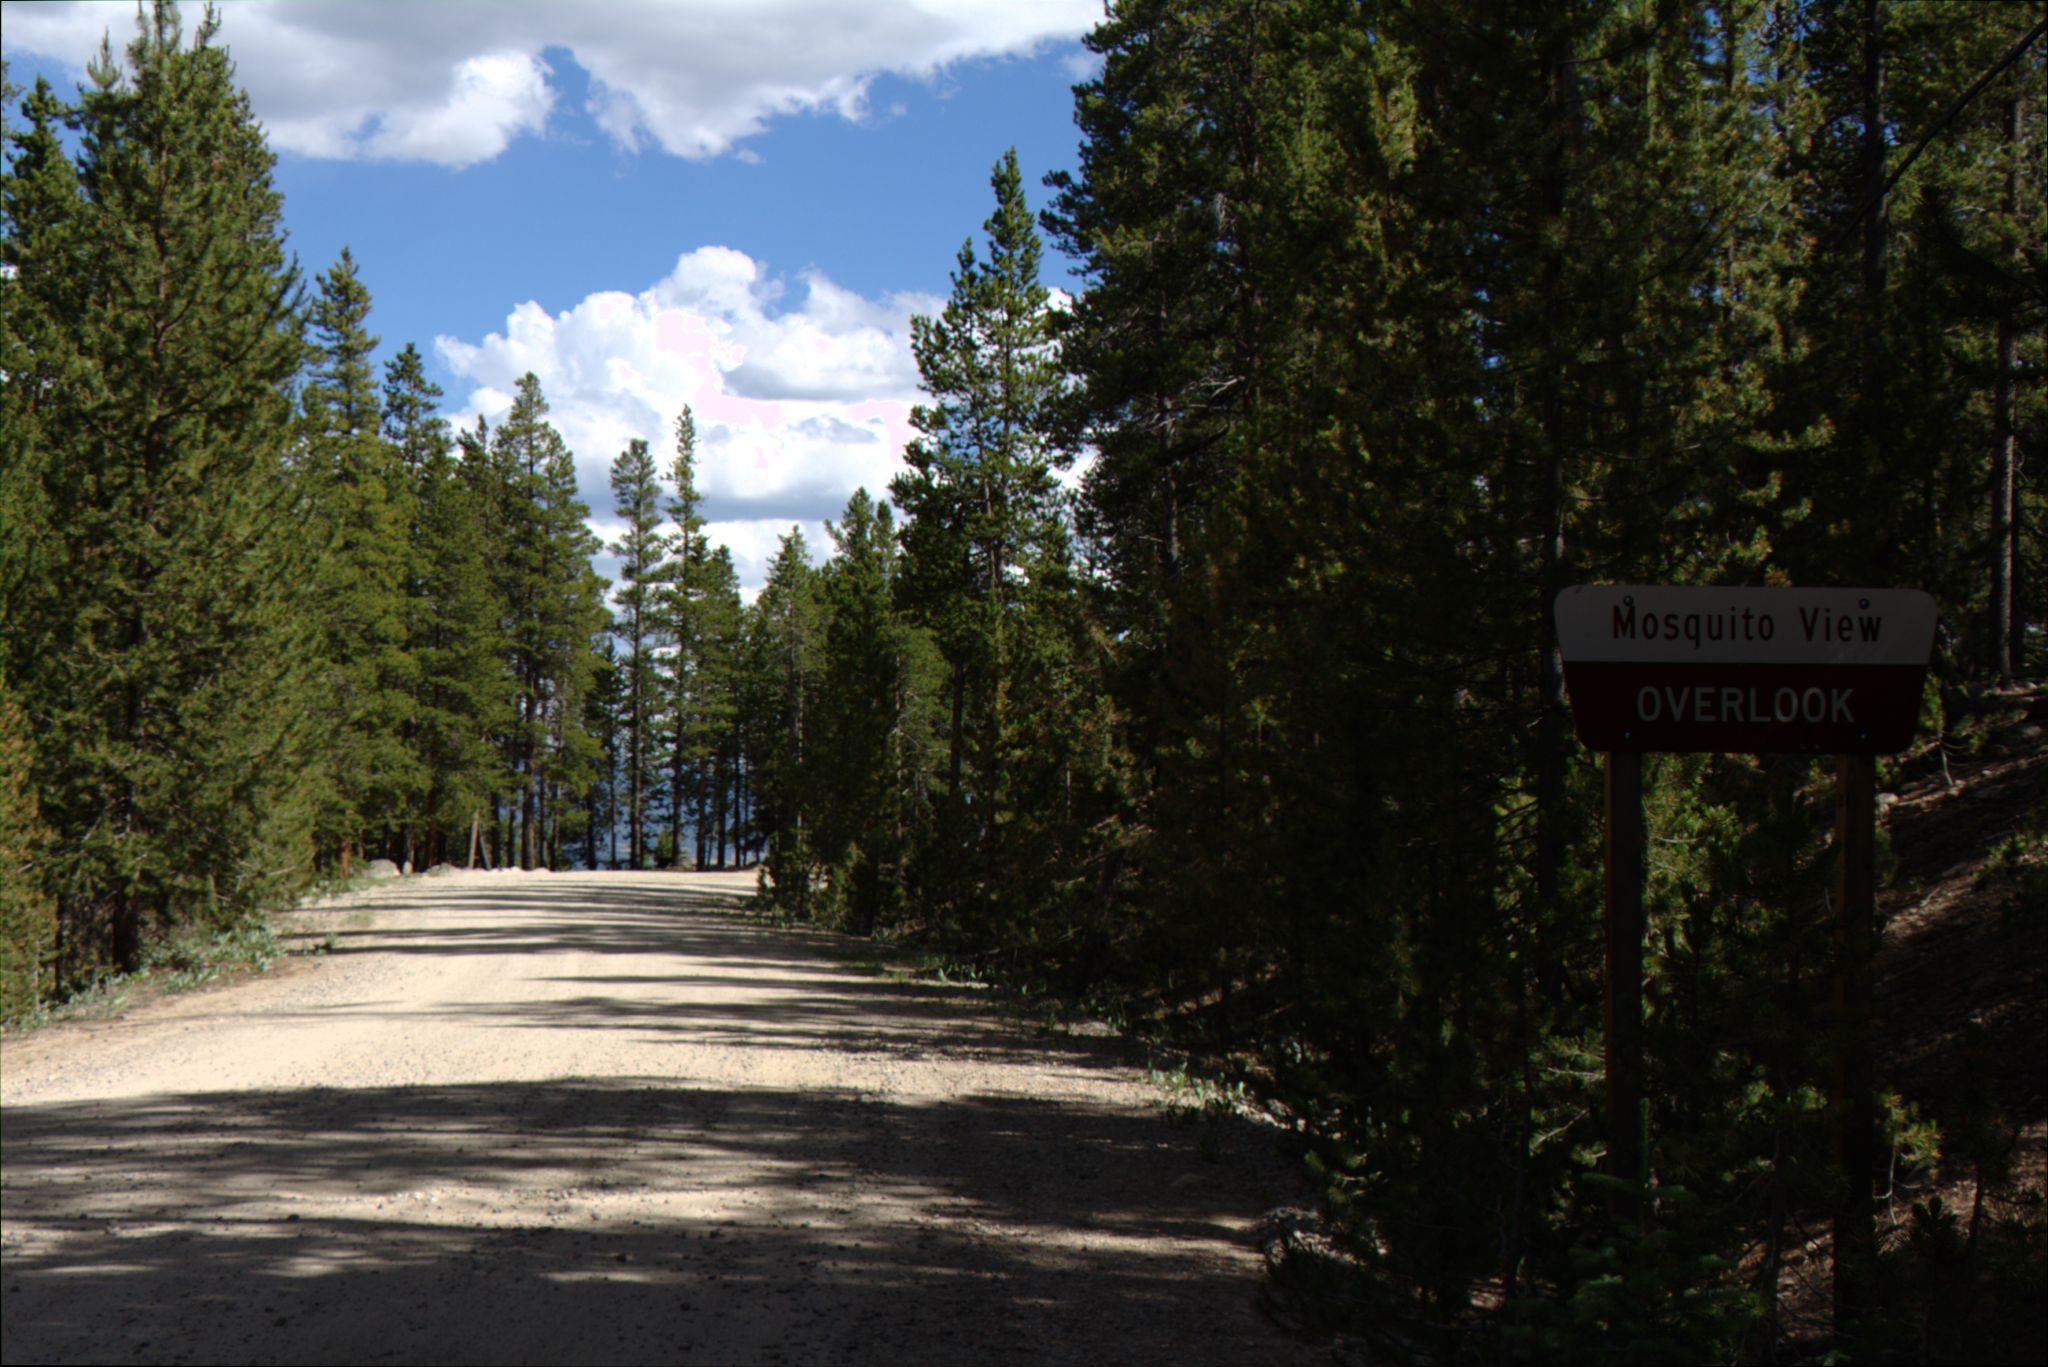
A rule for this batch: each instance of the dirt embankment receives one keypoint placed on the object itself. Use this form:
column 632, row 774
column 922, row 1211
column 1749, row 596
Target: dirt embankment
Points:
column 597, row 1117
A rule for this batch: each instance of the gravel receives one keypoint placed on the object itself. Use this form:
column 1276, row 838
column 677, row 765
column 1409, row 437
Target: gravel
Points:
column 602, row 1117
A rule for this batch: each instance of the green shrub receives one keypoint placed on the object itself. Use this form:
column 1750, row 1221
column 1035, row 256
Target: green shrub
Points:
column 1654, row 1298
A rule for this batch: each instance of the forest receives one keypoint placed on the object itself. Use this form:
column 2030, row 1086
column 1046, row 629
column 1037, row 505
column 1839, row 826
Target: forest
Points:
column 1199, row 663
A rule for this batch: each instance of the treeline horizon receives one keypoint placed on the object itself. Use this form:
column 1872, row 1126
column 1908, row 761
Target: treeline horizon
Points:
column 1395, row 322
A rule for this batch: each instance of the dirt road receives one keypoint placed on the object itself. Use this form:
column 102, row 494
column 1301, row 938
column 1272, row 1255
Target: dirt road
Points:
column 597, row 1118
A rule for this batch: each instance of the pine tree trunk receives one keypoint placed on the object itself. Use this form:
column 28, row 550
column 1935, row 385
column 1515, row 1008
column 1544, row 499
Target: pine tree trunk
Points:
column 127, row 914
column 959, row 711
column 635, row 759
column 717, row 787
column 1552, row 740
column 1869, row 385
column 550, row 827
column 723, row 808
column 739, row 804
column 678, row 795
column 739, row 811
column 1855, row 1247
column 127, row 933
column 1765, row 1334
column 701, row 827
column 2004, row 527
column 2005, row 441
column 530, row 794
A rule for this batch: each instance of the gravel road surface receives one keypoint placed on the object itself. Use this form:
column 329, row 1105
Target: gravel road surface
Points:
column 600, row 1118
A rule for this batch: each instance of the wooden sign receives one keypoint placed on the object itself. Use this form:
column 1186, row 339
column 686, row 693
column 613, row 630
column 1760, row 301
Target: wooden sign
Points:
column 1746, row 671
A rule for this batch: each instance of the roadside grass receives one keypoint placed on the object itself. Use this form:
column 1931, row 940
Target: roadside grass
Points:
column 191, row 958
column 1195, row 1085
column 183, row 962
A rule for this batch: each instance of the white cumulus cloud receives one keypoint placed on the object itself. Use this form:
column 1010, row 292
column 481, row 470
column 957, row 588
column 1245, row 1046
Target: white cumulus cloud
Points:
column 454, row 82
column 795, row 405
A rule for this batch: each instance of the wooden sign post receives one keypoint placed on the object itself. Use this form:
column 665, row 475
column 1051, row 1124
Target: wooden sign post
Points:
column 1854, row 1095
column 1757, row 671
column 1627, row 844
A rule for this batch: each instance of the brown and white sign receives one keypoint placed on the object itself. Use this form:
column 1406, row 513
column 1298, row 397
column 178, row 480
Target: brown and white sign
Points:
column 1757, row 671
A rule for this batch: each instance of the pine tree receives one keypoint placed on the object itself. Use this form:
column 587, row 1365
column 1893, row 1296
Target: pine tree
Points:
column 1964, row 317
column 1398, row 321
column 41, row 291
column 872, row 742
column 460, row 695
column 787, row 623
column 680, row 623
column 554, row 608
column 718, row 733
column 488, row 480
column 643, row 571
column 364, row 513
column 979, row 501
column 1164, row 346
column 165, row 672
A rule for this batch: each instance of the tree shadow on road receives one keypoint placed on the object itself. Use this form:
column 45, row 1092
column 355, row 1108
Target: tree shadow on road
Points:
column 767, row 988
column 618, row 1221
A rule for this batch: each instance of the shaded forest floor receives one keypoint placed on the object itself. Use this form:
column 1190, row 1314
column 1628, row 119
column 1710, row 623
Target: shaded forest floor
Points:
column 1966, row 936
column 1961, row 1020
column 1961, row 988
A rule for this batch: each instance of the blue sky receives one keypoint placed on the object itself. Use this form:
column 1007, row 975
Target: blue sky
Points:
column 736, row 205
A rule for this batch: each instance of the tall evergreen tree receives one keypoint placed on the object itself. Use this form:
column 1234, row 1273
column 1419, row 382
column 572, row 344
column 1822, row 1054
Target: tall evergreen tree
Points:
column 489, row 479
column 643, row 570
column 554, row 608
column 39, row 200
column 787, row 631
column 364, row 513
column 155, row 649
column 979, row 501
column 720, row 729
column 1399, row 320
column 42, row 289
column 460, row 694
column 681, row 624
column 871, row 750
